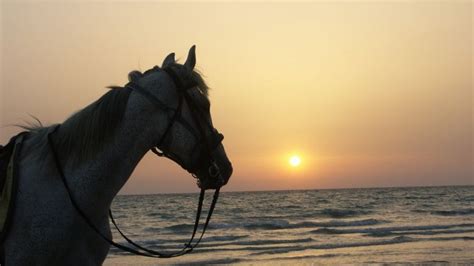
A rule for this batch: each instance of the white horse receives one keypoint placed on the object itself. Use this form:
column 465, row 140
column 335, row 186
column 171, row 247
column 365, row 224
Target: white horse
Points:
column 98, row 148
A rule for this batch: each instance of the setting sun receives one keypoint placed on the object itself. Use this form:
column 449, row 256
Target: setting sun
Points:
column 294, row 161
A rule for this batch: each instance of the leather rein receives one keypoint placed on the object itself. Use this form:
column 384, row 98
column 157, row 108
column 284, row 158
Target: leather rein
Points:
column 213, row 171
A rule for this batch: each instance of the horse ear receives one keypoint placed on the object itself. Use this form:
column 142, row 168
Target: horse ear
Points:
column 168, row 60
column 134, row 75
column 191, row 60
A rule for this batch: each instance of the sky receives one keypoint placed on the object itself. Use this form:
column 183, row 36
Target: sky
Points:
column 367, row 94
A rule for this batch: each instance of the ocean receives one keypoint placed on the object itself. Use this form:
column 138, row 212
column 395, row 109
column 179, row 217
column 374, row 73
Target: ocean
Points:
column 340, row 226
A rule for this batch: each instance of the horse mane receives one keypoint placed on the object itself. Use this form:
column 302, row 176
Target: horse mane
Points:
column 89, row 129
column 85, row 132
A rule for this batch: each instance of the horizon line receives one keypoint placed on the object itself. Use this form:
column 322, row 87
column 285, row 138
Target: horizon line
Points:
column 282, row 190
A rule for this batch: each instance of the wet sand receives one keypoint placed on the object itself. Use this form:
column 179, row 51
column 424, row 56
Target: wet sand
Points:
column 459, row 251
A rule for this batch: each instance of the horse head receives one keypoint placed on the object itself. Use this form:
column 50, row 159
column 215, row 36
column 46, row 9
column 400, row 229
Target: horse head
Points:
column 189, row 137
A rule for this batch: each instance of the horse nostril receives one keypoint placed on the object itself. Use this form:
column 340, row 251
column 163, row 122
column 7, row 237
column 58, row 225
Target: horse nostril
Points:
column 214, row 170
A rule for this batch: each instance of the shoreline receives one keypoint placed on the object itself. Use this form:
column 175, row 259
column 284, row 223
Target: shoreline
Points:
column 403, row 253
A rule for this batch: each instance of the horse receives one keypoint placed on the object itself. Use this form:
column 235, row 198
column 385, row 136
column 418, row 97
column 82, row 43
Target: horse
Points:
column 165, row 109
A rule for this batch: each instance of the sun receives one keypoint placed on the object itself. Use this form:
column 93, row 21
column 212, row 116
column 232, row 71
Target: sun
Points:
column 294, row 161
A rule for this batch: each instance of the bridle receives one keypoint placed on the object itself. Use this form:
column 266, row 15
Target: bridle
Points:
column 209, row 145
column 161, row 150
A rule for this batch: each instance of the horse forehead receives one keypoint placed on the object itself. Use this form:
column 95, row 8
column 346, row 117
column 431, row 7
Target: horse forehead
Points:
column 152, row 76
column 151, row 79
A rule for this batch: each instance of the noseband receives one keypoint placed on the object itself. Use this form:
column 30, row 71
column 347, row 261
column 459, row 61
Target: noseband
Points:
column 213, row 170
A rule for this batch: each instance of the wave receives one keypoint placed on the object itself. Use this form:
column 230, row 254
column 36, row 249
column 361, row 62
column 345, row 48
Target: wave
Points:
column 336, row 213
column 308, row 257
column 268, row 225
column 180, row 227
column 260, row 249
column 246, row 260
column 176, row 243
column 329, row 231
column 213, row 243
column 395, row 240
column 343, row 213
column 224, row 238
column 212, row 261
column 416, row 197
column 273, row 242
column 278, row 224
column 458, row 212
column 162, row 215
column 273, row 224
column 424, row 233
column 338, row 223
column 398, row 230
column 256, row 244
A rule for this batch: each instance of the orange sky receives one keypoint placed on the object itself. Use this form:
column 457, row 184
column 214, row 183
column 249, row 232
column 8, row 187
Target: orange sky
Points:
column 369, row 94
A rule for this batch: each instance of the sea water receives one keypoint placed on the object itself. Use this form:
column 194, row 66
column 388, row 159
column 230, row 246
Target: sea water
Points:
column 394, row 225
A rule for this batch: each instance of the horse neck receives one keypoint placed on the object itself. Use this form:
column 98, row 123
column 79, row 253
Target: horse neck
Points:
column 100, row 179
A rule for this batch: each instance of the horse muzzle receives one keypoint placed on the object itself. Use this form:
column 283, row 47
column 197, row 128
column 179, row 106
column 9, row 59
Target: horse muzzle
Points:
column 217, row 175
